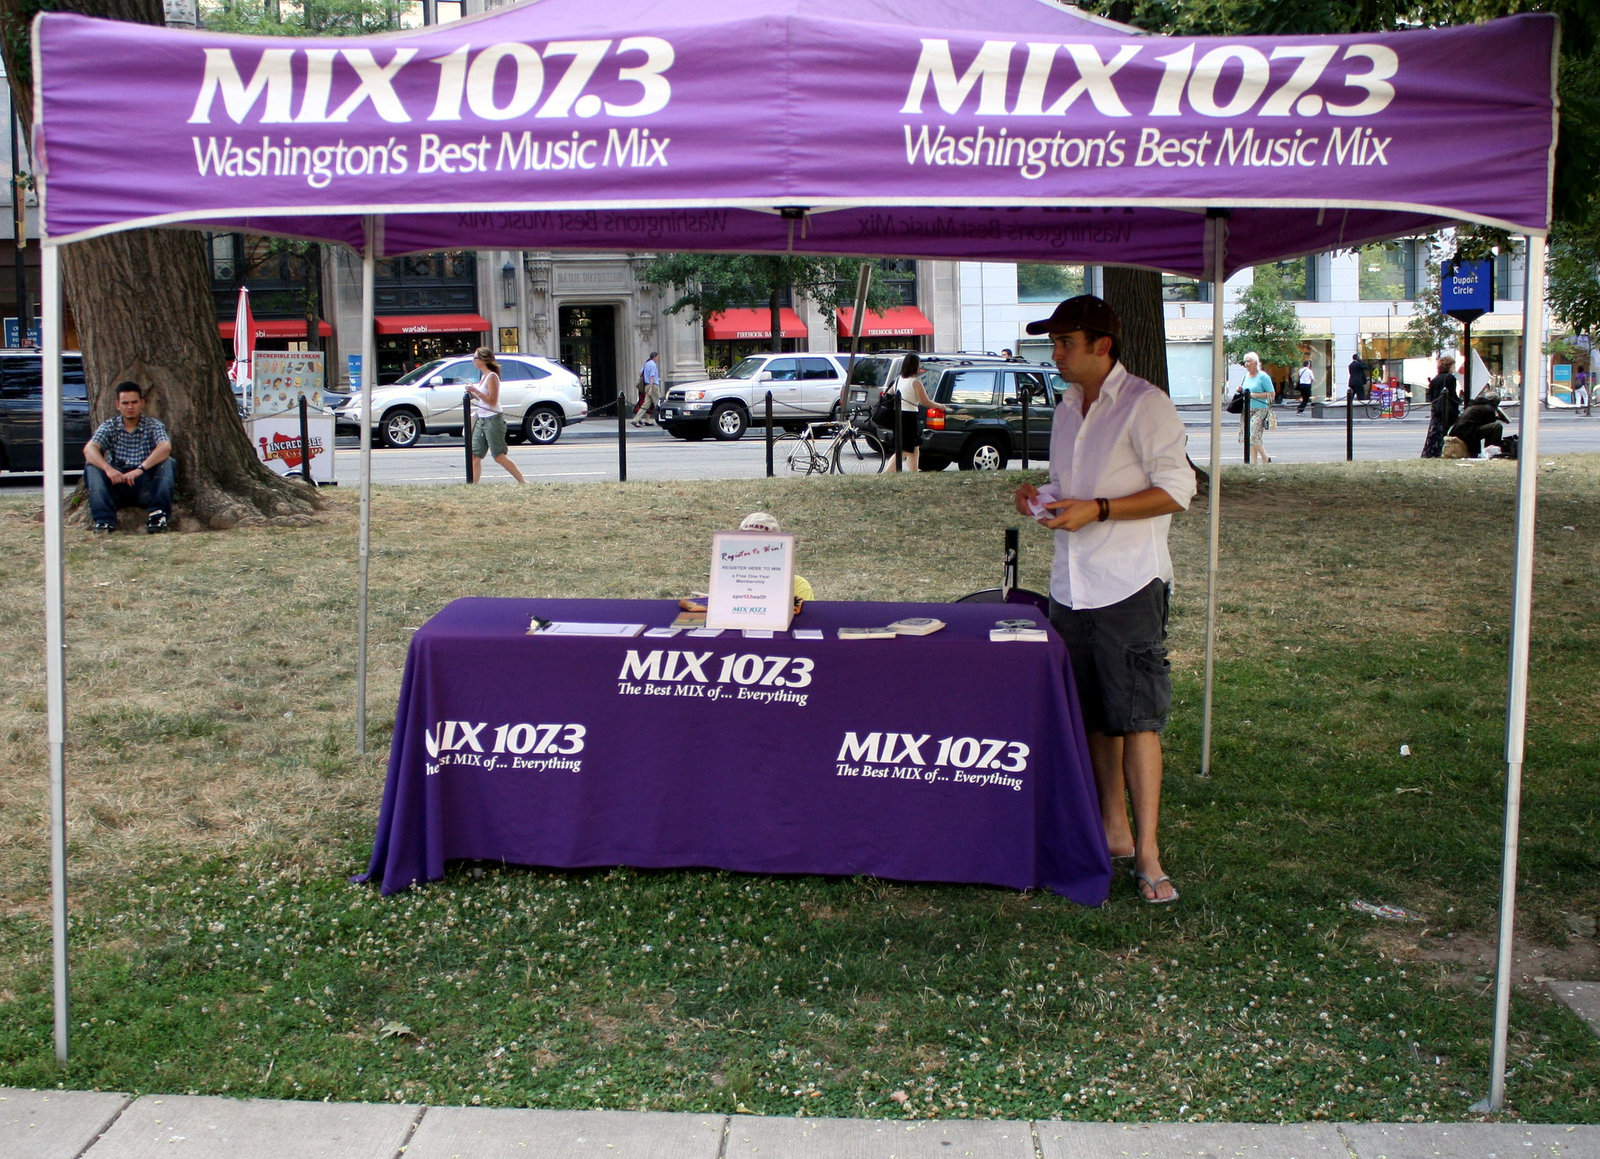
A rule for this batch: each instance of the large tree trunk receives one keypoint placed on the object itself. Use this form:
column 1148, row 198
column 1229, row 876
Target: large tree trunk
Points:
column 1136, row 297
column 143, row 306
column 145, row 313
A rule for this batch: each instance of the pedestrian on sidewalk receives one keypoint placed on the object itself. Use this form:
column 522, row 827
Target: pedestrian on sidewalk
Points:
column 1306, row 378
column 488, row 424
column 1444, row 405
column 1258, row 392
column 1358, row 377
column 644, row 411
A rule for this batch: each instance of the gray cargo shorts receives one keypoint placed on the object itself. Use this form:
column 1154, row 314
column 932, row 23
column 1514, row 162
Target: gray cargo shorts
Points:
column 1119, row 660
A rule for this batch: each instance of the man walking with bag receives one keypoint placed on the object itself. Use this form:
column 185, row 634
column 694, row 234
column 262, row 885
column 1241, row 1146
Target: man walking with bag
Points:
column 644, row 412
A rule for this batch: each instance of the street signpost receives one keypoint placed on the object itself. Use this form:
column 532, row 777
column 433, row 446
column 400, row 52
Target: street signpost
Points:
column 1466, row 292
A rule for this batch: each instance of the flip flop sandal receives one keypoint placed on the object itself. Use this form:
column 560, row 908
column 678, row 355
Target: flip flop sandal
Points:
column 1141, row 880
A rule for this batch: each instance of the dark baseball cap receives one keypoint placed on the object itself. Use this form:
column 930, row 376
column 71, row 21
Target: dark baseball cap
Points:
column 1085, row 312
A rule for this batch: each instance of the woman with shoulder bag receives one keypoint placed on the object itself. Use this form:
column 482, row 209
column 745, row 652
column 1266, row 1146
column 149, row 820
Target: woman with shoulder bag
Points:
column 908, row 432
column 1257, row 389
column 1445, row 405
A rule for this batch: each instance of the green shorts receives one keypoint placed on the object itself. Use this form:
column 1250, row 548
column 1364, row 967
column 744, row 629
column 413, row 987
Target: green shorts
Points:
column 489, row 436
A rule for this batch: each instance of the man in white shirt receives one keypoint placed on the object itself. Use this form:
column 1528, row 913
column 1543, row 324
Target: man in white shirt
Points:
column 1118, row 472
column 1306, row 379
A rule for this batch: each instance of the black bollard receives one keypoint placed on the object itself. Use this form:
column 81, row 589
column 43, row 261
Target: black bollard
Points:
column 1350, row 426
column 622, row 436
column 769, row 434
column 305, row 442
column 466, row 431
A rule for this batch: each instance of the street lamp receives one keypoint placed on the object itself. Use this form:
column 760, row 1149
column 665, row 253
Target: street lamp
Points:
column 508, row 284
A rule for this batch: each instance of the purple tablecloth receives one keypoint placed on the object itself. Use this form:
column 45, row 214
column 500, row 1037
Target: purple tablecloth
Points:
column 946, row 757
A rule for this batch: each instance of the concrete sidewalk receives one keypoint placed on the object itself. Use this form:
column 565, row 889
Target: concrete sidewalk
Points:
column 69, row 1124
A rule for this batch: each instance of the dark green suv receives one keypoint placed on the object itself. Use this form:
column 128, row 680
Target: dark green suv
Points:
column 976, row 419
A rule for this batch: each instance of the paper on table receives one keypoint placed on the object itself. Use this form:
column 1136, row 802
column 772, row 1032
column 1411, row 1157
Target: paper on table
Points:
column 582, row 628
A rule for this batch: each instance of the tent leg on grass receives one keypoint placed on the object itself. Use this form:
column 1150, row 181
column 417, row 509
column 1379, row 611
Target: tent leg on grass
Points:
column 55, row 629
column 1217, row 230
column 1517, row 678
column 369, row 371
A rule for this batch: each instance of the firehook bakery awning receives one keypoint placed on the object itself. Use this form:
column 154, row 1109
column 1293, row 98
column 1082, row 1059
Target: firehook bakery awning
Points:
column 895, row 322
column 430, row 323
column 752, row 323
column 279, row 328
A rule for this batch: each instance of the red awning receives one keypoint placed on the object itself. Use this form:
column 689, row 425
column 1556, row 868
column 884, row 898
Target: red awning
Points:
column 754, row 323
column 895, row 322
column 431, row 323
column 279, row 328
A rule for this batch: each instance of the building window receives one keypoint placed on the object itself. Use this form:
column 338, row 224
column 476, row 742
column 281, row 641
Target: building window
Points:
column 1509, row 267
column 1299, row 279
column 1042, row 283
column 1389, row 271
column 442, row 282
column 282, row 275
column 1176, row 288
column 896, row 275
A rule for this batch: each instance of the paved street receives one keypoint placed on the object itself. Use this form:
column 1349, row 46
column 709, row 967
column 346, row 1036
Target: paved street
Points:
column 588, row 452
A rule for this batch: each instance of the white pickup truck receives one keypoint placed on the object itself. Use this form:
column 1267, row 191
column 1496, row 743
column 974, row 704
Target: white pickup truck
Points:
column 805, row 388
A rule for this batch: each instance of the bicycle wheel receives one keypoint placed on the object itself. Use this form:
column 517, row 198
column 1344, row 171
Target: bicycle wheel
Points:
column 858, row 453
column 796, row 454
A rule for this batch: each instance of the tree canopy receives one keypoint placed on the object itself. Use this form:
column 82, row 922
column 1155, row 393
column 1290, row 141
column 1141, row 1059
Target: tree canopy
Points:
column 1265, row 323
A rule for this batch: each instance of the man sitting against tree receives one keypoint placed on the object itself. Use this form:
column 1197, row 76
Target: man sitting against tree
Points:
column 128, row 463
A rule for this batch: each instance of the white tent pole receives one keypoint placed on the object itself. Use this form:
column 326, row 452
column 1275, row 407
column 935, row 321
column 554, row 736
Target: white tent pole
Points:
column 369, row 371
column 55, row 658
column 1217, row 227
column 1517, row 680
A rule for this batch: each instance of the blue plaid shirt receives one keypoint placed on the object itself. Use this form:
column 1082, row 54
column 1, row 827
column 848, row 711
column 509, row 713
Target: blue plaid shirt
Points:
column 125, row 449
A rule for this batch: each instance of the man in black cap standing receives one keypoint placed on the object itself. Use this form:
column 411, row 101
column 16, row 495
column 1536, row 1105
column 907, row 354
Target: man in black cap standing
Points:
column 1118, row 472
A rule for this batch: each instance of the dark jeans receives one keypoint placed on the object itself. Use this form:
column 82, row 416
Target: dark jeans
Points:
column 152, row 491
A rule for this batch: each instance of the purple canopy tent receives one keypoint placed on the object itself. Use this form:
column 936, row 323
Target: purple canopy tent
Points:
column 1008, row 130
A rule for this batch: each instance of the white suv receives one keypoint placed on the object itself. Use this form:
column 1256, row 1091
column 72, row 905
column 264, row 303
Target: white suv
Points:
column 805, row 388
column 538, row 397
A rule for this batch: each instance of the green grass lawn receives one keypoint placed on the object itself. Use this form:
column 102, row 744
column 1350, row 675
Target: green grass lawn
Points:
column 216, row 807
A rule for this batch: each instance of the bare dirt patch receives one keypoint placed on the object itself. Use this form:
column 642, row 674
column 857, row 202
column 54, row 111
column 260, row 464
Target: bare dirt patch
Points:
column 1468, row 959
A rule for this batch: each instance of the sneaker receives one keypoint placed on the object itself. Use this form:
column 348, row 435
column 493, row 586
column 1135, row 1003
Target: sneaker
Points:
column 158, row 522
column 103, row 528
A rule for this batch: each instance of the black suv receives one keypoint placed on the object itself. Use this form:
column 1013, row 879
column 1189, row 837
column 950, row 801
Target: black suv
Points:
column 976, row 419
column 22, row 411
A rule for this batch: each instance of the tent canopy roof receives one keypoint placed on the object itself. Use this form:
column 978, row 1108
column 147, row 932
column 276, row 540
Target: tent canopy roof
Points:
column 1008, row 130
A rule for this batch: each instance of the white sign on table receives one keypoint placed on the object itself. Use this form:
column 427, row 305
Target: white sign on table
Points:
column 752, row 580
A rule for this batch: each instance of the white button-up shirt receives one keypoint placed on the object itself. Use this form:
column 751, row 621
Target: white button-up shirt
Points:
column 1131, row 439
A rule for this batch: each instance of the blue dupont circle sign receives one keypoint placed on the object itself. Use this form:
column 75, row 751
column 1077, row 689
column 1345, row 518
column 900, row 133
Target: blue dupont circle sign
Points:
column 1466, row 289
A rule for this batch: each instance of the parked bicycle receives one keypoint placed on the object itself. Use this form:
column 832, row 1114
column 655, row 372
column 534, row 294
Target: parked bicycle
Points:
column 1387, row 402
column 848, row 448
